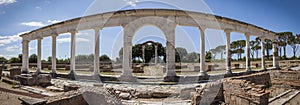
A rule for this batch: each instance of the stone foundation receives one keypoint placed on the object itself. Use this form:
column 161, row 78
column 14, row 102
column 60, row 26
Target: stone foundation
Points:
column 31, row 80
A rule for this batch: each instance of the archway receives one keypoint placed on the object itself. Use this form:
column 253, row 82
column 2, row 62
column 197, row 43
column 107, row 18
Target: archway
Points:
column 168, row 28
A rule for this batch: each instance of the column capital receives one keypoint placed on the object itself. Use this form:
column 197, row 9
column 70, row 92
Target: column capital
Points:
column 262, row 38
column 54, row 35
column 25, row 41
column 247, row 34
column 97, row 28
column 228, row 30
column 39, row 38
column 202, row 28
column 73, row 32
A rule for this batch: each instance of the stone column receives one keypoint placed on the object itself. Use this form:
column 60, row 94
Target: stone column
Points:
column 25, row 64
column 127, row 49
column 170, row 68
column 262, row 44
column 53, row 70
column 73, row 44
column 96, row 55
column 155, row 54
column 143, row 55
column 248, row 65
column 275, row 54
column 39, row 58
column 228, row 53
column 202, row 52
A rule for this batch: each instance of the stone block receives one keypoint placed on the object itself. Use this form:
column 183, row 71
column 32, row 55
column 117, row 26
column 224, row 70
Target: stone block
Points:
column 125, row 96
column 13, row 72
column 69, row 87
column 186, row 92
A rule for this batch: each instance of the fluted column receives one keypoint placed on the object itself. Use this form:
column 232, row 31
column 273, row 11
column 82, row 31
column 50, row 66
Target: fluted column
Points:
column 202, row 52
column 96, row 56
column 53, row 70
column 275, row 54
column 73, row 46
column 155, row 54
column 248, row 66
column 39, row 58
column 262, row 44
column 228, row 53
column 25, row 64
column 143, row 55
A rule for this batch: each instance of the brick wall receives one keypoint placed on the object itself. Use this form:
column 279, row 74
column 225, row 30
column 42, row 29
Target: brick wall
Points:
column 247, row 90
column 290, row 78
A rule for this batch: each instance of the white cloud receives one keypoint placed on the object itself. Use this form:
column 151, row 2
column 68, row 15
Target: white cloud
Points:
column 33, row 24
column 131, row 2
column 39, row 8
column 64, row 40
column 4, row 40
column 5, row 2
column 53, row 21
column 12, row 48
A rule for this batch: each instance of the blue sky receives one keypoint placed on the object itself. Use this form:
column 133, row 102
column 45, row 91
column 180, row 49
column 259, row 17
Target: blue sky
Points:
column 19, row 16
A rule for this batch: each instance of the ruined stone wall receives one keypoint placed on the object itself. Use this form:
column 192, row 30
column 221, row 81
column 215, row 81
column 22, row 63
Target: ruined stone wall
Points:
column 74, row 100
column 287, row 78
column 247, row 90
column 257, row 78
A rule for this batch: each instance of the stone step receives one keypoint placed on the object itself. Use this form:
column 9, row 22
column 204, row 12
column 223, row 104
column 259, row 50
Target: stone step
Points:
column 285, row 98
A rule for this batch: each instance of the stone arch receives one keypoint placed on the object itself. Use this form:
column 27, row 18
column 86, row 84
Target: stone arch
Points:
column 166, row 25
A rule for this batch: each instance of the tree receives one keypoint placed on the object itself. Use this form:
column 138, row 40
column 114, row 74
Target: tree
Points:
column 238, row 48
column 213, row 53
column 180, row 54
column 221, row 49
column 3, row 59
column 208, row 56
column 33, row 58
column 14, row 60
column 192, row 57
column 104, row 58
column 149, row 52
column 283, row 38
column 20, row 57
column 254, row 46
column 268, row 47
column 294, row 42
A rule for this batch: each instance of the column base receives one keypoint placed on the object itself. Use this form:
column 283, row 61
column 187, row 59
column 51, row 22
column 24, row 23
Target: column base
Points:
column 72, row 75
column 38, row 72
column 53, row 75
column 248, row 70
column 24, row 71
column 171, row 78
column 228, row 73
column 203, row 74
column 127, row 78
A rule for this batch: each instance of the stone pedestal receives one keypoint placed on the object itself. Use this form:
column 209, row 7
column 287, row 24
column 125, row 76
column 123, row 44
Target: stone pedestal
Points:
column 127, row 78
column 72, row 75
column 171, row 79
column 13, row 72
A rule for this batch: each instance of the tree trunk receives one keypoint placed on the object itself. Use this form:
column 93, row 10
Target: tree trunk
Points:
column 280, row 52
column 256, row 54
column 221, row 55
column 268, row 53
column 284, row 51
